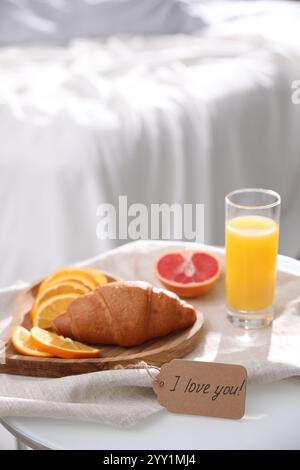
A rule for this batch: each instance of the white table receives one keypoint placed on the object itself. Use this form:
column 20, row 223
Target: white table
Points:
column 272, row 421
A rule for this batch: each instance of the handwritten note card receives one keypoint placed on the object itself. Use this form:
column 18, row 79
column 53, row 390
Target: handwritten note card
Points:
column 202, row 388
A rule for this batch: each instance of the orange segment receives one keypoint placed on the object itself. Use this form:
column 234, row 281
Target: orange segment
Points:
column 48, row 310
column 23, row 343
column 53, row 290
column 60, row 346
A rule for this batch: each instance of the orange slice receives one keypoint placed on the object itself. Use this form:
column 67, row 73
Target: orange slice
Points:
column 99, row 277
column 56, row 282
column 22, row 341
column 60, row 346
column 48, row 310
column 64, row 281
column 59, row 288
column 67, row 274
column 188, row 273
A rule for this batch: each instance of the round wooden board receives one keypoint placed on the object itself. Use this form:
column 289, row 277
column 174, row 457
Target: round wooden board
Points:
column 155, row 352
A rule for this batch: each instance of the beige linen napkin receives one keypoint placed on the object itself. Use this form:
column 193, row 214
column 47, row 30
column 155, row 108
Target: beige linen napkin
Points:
column 125, row 396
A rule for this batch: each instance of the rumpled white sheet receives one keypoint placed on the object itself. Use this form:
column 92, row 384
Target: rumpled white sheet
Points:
column 168, row 119
column 123, row 397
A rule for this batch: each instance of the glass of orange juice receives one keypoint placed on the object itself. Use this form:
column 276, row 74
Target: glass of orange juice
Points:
column 252, row 232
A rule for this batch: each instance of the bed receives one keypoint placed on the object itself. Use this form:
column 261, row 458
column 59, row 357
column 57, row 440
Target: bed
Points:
column 199, row 105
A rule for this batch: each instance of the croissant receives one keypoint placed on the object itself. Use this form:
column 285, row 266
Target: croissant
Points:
column 125, row 314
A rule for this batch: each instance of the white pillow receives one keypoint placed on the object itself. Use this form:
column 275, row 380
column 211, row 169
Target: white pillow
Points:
column 62, row 20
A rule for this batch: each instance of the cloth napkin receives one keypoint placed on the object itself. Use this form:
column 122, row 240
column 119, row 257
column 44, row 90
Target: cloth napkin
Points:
column 124, row 397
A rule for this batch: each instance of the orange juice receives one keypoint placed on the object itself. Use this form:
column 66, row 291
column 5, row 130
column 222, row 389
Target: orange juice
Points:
column 251, row 251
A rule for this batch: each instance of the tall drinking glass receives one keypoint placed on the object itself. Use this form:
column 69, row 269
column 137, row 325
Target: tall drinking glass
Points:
column 252, row 232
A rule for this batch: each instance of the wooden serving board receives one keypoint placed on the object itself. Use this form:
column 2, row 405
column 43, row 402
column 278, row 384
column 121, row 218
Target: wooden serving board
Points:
column 155, row 352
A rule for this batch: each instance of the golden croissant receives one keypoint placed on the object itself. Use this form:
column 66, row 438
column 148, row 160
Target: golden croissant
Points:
column 124, row 313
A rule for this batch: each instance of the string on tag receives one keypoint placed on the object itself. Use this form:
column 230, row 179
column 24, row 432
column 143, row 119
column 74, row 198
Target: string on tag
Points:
column 144, row 366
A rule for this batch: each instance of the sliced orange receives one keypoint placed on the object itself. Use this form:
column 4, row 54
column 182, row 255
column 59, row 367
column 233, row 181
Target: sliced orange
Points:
column 99, row 277
column 70, row 280
column 188, row 273
column 67, row 274
column 59, row 288
column 48, row 310
column 23, row 343
column 57, row 282
column 60, row 346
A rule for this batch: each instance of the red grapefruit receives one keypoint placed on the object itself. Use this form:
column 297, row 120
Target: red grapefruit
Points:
column 188, row 273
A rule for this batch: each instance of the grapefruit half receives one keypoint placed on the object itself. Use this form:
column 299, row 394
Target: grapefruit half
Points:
column 188, row 273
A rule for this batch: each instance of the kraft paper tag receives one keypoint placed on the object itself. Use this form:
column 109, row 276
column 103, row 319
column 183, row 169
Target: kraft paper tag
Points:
column 202, row 388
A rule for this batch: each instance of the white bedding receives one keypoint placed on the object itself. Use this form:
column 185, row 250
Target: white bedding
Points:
column 63, row 20
column 161, row 119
